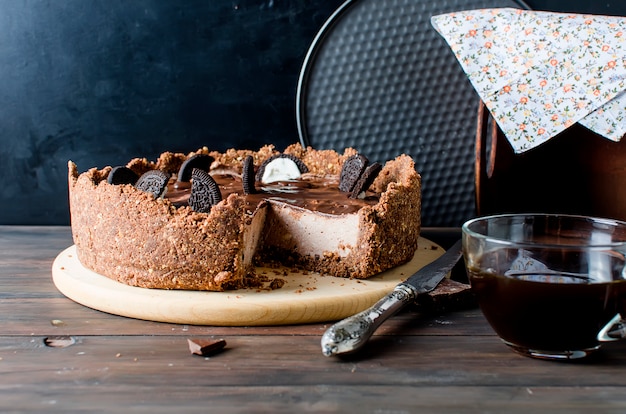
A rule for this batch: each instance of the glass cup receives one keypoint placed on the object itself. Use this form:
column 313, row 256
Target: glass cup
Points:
column 551, row 286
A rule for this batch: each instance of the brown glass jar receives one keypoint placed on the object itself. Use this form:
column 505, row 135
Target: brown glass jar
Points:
column 575, row 172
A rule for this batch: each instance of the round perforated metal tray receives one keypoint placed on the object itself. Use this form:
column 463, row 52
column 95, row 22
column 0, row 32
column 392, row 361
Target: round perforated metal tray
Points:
column 379, row 78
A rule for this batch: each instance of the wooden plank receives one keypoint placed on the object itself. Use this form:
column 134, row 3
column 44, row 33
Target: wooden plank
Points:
column 42, row 241
column 26, row 257
column 380, row 398
column 22, row 283
column 281, row 360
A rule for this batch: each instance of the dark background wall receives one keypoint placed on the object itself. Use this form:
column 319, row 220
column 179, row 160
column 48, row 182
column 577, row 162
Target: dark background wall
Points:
column 101, row 81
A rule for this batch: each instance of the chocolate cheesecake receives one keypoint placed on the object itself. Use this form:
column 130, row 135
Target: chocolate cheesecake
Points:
column 203, row 221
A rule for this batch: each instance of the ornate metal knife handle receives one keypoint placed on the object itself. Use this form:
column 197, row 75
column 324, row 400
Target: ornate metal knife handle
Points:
column 352, row 333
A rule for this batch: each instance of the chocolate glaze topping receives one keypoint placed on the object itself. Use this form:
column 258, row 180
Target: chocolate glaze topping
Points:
column 310, row 192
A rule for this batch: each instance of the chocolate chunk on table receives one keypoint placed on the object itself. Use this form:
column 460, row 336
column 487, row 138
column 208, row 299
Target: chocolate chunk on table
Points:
column 448, row 296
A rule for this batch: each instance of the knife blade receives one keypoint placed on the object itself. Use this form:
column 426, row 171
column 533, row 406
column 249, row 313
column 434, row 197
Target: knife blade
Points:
column 350, row 334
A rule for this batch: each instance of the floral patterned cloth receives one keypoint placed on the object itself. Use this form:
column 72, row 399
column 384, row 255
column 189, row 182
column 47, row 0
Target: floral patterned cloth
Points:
column 540, row 72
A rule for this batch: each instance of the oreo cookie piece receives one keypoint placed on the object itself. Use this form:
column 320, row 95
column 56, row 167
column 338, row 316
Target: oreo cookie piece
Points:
column 247, row 175
column 154, row 181
column 199, row 161
column 122, row 175
column 281, row 167
column 351, row 171
column 366, row 179
column 205, row 193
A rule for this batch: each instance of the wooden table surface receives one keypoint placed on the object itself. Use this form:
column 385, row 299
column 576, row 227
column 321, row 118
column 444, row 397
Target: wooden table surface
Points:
column 448, row 363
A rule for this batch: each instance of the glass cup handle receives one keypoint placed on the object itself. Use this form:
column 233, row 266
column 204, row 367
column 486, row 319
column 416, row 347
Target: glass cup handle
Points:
column 614, row 330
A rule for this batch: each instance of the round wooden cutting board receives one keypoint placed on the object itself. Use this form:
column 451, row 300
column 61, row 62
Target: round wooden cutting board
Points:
column 305, row 298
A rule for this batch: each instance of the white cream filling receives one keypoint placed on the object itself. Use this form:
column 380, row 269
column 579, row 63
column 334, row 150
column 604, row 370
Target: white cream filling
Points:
column 280, row 169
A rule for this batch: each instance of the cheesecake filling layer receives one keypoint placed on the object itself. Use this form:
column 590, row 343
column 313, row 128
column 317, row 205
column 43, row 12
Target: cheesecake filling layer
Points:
column 308, row 233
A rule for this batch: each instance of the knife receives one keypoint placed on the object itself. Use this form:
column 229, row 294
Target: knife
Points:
column 350, row 334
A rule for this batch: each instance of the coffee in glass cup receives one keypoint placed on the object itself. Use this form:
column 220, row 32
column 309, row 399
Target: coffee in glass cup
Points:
column 551, row 286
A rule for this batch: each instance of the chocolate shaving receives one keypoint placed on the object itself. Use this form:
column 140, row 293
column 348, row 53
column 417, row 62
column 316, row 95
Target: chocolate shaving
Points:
column 206, row 347
column 367, row 178
column 122, row 175
column 448, row 296
column 247, row 175
column 351, row 171
column 205, row 193
column 201, row 161
column 153, row 181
